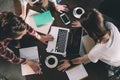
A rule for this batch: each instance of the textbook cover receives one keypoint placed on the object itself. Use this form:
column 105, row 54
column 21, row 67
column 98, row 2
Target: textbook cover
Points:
column 42, row 18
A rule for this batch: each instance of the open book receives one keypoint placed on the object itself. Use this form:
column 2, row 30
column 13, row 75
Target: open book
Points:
column 42, row 28
column 30, row 53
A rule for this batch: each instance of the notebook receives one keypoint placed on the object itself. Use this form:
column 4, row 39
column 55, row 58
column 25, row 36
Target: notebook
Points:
column 30, row 53
column 64, row 40
column 43, row 28
column 42, row 18
column 77, row 73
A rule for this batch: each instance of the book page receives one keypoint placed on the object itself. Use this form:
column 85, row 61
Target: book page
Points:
column 30, row 53
column 77, row 73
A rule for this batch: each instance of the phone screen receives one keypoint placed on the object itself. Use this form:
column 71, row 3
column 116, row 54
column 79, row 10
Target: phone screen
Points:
column 65, row 18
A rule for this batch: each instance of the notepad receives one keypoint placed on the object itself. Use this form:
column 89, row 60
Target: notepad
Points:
column 77, row 73
column 42, row 18
column 30, row 53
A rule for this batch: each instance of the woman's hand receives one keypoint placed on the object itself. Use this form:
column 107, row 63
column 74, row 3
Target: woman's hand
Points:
column 35, row 66
column 23, row 16
column 46, row 38
column 64, row 65
column 76, row 24
column 61, row 8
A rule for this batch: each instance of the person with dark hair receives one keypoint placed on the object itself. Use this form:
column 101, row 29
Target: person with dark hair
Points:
column 106, row 36
column 13, row 27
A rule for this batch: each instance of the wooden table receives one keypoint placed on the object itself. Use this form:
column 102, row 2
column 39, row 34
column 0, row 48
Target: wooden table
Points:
column 27, row 41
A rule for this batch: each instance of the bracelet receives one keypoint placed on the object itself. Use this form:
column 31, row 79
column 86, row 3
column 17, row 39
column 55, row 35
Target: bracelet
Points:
column 24, row 61
column 70, row 62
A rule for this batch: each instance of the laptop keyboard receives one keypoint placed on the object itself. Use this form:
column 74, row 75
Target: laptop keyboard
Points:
column 61, row 40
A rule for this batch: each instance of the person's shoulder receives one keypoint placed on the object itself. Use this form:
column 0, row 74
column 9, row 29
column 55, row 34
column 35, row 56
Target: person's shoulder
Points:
column 109, row 24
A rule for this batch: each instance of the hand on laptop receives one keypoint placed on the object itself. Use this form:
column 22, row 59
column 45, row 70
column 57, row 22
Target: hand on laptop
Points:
column 76, row 23
column 35, row 66
column 64, row 65
column 46, row 38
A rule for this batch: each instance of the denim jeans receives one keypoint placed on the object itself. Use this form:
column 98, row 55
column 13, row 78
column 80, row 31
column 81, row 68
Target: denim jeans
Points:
column 113, row 72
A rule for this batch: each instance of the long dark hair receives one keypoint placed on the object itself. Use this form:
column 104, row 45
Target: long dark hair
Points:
column 94, row 24
column 11, row 25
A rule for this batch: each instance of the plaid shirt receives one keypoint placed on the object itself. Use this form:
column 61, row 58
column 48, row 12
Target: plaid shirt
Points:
column 8, row 54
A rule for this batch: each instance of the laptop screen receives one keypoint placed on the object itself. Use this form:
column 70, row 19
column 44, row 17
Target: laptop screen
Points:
column 74, row 43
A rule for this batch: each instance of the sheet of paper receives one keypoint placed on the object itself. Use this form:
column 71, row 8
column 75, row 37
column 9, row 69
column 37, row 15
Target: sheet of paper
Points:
column 42, row 29
column 28, row 53
column 77, row 73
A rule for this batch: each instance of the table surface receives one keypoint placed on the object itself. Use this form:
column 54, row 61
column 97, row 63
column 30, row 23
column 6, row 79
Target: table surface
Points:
column 27, row 41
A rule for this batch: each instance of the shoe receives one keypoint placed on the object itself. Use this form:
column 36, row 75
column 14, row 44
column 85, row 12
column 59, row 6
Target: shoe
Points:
column 110, row 73
column 2, row 77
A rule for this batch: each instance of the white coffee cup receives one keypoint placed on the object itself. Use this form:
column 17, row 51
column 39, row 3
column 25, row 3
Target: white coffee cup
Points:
column 51, row 61
column 78, row 12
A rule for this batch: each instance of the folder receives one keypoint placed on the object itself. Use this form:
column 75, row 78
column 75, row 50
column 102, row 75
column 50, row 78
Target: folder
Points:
column 43, row 28
column 42, row 18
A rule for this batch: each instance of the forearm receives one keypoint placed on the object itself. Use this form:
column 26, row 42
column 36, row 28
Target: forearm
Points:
column 80, row 60
column 32, row 32
column 23, row 7
column 9, row 55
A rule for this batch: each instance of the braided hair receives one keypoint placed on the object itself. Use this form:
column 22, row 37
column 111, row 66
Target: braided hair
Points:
column 11, row 25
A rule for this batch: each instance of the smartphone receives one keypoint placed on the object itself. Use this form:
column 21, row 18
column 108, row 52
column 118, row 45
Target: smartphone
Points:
column 65, row 18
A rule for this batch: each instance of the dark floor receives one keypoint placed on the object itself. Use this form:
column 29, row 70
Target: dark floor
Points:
column 10, row 71
column 95, row 71
column 7, row 5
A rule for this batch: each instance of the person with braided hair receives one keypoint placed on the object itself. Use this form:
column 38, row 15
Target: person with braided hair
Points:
column 13, row 27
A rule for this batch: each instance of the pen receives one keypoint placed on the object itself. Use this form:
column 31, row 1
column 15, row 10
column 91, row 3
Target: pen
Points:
column 51, row 50
column 43, row 10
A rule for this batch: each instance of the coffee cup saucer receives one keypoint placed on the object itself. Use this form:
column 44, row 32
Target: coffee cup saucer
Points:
column 78, row 15
column 51, row 65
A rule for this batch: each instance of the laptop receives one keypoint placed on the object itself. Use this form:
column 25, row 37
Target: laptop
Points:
column 65, row 41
